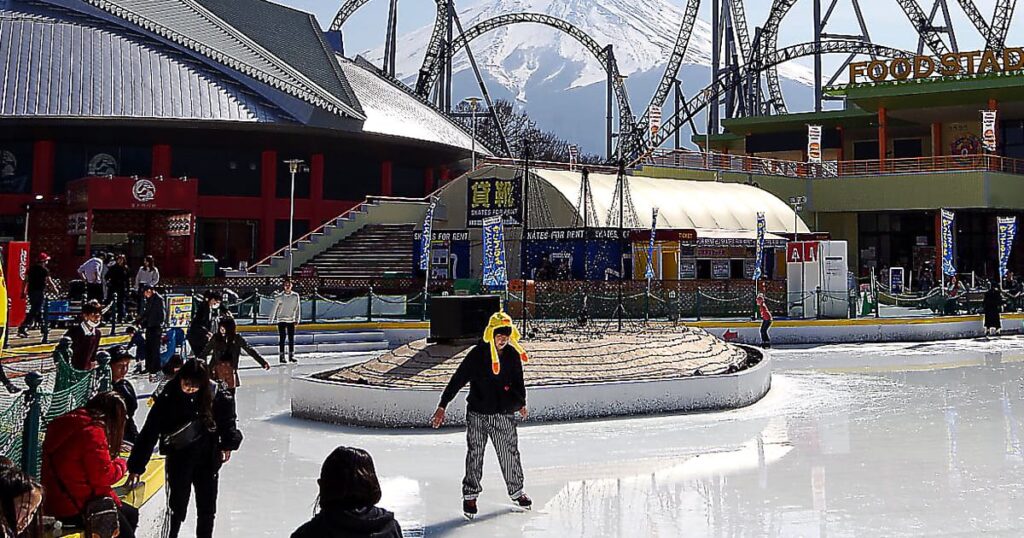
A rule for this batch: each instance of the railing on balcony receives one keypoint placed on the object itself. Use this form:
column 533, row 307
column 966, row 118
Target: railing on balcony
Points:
column 778, row 167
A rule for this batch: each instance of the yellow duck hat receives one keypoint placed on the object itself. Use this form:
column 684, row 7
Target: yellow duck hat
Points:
column 499, row 320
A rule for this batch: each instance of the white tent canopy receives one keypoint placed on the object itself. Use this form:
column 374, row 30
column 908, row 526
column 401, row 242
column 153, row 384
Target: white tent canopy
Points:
column 705, row 206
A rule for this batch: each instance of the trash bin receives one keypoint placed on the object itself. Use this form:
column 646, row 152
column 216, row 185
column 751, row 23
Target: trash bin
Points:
column 206, row 268
column 467, row 286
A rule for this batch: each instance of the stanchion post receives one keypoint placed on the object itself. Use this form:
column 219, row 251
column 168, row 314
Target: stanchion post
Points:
column 369, row 306
column 103, row 371
column 33, row 418
column 255, row 305
column 45, row 322
column 698, row 303
column 113, row 321
column 315, row 294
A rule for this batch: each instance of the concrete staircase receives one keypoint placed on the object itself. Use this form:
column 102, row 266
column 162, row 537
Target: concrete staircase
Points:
column 321, row 342
column 370, row 252
column 374, row 211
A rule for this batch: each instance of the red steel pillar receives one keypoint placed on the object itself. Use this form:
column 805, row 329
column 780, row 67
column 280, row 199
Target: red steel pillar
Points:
column 268, row 191
column 385, row 178
column 42, row 167
column 316, row 190
column 883, row 137
column 161, row 165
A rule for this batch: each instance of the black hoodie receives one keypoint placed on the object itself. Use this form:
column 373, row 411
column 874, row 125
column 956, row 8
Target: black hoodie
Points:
column 369, row 522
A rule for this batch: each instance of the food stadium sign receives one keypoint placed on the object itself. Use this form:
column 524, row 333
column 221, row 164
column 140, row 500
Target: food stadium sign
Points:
column 947, row 65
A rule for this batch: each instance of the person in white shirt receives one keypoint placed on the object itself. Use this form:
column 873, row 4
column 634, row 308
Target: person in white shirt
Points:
column 92, row 273
column 148, row 274
column 286, row 313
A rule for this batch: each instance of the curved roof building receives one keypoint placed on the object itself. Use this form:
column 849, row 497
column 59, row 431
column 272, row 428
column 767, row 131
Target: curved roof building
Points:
column 215, row 93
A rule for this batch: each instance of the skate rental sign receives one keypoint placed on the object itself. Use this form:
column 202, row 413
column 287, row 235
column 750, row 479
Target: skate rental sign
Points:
column 951, row 64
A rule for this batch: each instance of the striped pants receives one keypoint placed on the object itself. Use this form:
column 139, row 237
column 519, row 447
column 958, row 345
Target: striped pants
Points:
column 502, row 431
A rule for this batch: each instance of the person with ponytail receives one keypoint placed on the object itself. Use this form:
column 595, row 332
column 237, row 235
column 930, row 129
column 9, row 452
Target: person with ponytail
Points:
column 20, row 499
column 195, row 424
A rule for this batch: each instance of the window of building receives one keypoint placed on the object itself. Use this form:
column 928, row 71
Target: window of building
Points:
column 1012, row 138
column 15, row 167
column 407, row 181
column 230, row 241
column 866, row 150
column 75, row 161
column 12, row 228
column 284, row 177
column 907, row 148
column 220, row 171
column 736, row 269
column 703, row 269
column 347, row 177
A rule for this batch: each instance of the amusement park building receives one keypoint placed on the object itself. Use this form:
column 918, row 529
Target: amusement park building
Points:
column 897, row 153
column 162, row 128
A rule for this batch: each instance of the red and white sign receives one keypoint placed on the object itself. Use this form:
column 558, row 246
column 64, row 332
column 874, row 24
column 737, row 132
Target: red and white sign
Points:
column 802, row 251
column 16, row 271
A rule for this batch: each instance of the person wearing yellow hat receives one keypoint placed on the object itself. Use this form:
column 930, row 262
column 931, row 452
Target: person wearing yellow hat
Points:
column 494, row 371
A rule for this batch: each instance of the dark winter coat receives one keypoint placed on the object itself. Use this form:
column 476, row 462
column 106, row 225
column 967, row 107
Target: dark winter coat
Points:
column 172, row 411
column 219, row 349
column 203, row 325
column 369, row 522
column 83, row 347
column 77, row 466
column 489, row 394
column 117, row 279
column 152, row 314
column 992, row 304
column 126, row 390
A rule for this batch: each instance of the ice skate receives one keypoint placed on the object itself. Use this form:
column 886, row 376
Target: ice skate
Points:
column 469, row 508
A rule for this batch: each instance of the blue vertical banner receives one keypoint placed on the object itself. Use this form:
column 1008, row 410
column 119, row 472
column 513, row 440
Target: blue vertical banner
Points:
column 759, row 250
column 649, row 274
column 1007, row 230
column 946, row 227
column 428, row 228
column 495, row 272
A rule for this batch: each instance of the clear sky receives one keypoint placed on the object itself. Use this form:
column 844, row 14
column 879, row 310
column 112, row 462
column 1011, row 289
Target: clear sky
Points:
column 886, row 22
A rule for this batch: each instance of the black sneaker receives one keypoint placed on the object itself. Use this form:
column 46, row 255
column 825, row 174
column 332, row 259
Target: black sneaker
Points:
column 469, row 508
column 281, row 359
column 523, row 502
column 291, row 358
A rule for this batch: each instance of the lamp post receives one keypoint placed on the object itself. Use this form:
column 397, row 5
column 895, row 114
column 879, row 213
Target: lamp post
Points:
column 474, row 103
column 294, row 165
column 28, row 212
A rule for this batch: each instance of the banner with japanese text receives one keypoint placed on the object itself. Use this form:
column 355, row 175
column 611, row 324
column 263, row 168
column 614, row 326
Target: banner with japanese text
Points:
column 759, row 246
column 428, row 225
column 946, row 230
column 814, row 144
column 493, row 197
column 1007, row 231
column 495, row 272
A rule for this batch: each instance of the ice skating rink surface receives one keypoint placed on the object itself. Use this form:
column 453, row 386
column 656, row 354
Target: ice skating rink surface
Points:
column 852, row 440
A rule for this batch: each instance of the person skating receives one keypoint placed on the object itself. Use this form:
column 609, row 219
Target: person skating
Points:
column 286, row 313
column 224, row 350
column 204, row 323
column 992, row 305
column 85, row 336
column 81, row 462
column 196, row 426
column 494, row 371
column 766, row 321
column 349, row 493
column 38, row 280
column 117, row 286
column 120, row 362
column 92, row 271
column 151, row 320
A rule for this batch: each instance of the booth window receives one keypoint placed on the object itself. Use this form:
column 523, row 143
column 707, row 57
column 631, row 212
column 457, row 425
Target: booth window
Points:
column 221, row 171
column 865, row 151
column 704, row 269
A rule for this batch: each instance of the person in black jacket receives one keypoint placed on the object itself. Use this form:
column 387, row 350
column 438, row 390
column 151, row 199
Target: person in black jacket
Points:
column 992, row 305
column 349, row 492
column 85, row 336
column 204, row 322
column 195, row 424
column 120, row 362
column 117, row 286
column 151, row 320
column 496, row 392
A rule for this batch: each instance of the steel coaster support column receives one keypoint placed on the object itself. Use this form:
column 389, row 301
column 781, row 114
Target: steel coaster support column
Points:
column 678, row 98
column 716, row 61
column 609, row 59
column 448, row 60
column 483, row 87
column 390, row 42
column 817, row 56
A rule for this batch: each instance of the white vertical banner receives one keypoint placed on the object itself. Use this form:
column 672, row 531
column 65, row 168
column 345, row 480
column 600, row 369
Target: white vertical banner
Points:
column 814, row 144
column 574, row 156
column 654, row 120
column 988, row 130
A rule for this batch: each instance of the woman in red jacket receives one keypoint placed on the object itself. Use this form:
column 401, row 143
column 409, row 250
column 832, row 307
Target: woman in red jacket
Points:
column 81, row 461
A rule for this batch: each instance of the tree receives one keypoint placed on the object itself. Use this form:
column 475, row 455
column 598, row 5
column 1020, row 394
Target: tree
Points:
column 518, row 127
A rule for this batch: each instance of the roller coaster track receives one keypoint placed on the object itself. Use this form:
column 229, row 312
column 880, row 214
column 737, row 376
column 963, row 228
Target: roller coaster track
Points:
column 769, row 43
column 727, row 81
column 675, row 61
column 923, row 26
column 995, row 35
column 430, row 73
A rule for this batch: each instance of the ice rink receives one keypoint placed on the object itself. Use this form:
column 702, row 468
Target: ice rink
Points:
column 852, row 440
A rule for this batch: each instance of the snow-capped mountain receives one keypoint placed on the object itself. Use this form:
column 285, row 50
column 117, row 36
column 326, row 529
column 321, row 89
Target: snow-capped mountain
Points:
column 539, row 66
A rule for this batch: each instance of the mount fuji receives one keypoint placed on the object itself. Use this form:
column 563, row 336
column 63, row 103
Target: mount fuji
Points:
column 558, row 81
